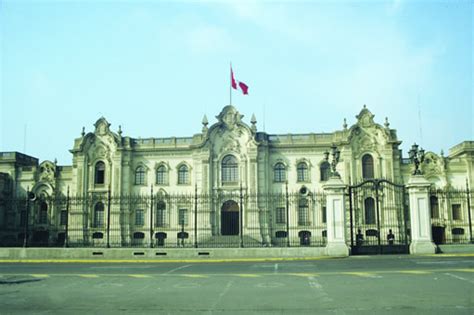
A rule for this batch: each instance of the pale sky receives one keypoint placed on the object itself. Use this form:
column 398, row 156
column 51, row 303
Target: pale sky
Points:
column 156, row 67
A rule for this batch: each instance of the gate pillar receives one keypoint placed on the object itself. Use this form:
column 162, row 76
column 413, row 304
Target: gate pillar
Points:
column 420, row 223
column 336, row 231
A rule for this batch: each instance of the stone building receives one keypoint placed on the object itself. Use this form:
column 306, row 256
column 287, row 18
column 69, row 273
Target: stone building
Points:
column 226, row 160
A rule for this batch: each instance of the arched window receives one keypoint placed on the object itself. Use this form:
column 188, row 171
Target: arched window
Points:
column 43, row 213
column 230, row 169
column 367, row 166
column 369, row 204
column 434, row 205
column 183, row 175
column 279, row 173
column 140, row 176
column 100, row 173
column 325, row 170
column 302, row 172
column 161, row 175
column 99, row 215
column 303, row 213
column 161, row 214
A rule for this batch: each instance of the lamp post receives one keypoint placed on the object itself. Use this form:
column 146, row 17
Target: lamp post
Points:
column 417, row 156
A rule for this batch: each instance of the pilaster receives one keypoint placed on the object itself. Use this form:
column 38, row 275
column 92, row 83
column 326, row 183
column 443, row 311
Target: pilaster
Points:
column 336, row 232
column 421, row 238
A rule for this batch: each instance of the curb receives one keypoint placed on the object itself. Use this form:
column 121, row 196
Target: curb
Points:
column 152, row 261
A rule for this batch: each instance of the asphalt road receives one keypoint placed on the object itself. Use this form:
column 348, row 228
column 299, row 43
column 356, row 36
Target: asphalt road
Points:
column 356, row 285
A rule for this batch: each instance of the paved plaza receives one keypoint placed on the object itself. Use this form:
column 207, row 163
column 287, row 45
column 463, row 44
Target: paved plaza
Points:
column 440, row 284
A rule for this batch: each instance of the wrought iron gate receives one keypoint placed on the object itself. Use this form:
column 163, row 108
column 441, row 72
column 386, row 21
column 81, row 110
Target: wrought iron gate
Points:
column 378, row 216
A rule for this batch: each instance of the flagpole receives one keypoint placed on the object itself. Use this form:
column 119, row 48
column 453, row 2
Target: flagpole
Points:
column 230, row 85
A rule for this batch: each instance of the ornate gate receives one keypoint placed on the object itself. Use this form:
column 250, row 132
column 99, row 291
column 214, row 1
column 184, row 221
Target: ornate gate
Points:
column 378, row 216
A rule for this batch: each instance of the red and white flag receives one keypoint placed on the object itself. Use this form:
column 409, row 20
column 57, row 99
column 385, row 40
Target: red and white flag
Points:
column 244, row 87
column 232, row 79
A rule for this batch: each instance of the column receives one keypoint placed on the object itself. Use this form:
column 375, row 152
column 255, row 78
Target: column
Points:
column 420, row 223
column 336, row 231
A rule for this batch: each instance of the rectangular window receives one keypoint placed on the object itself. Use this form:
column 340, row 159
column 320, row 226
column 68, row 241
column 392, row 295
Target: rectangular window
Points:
column 303, row 216
column 456, row 212
column 161, row 215
column 324, row 215
column 139, row 217
column 161, row 176
column 183, row 217
column 63, row 217
column 183, row 177
column 280, row 215
column 230, row 175
column 99, row 219
column 140, row 178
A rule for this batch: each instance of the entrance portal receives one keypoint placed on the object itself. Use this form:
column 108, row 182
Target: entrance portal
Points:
column 230, row 218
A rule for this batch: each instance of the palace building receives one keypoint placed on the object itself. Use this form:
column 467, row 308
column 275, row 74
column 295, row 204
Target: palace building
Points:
column 229, row 182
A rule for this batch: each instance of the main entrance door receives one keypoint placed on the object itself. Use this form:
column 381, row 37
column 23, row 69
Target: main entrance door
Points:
column 230, row 218
column 379, row 214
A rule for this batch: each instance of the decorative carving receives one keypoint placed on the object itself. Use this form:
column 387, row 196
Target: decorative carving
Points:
column 367, row 135
column 47, row 171
column 365, row 117
column 433, row 165
column 102, row 126
column 230, row 117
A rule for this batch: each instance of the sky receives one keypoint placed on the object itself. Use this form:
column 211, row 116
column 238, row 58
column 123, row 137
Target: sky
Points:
column 156, row 67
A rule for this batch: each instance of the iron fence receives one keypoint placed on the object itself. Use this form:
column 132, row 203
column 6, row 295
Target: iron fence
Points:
column 451, row 215
column 158, row 220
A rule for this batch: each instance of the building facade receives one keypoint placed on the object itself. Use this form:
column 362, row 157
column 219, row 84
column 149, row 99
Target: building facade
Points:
column 234, row 165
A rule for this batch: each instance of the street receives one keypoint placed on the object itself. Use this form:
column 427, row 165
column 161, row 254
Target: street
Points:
column 355, row 285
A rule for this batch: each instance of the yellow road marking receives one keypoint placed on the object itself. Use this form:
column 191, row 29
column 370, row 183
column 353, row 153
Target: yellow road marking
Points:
column 301, row 274
column 194, row 276
column 416, row 272
column 450, row 255
column 39, row 276
column 361, row 274
column 139, row 276
column 88, row 276
column 247, row 275
column 464, row 270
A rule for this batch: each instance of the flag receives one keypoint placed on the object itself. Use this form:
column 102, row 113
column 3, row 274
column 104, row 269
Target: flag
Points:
column 244, row 88
column 232, row 79
column 233, row 82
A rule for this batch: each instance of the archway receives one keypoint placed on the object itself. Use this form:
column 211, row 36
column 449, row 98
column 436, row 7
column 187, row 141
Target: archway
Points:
column 230, row 218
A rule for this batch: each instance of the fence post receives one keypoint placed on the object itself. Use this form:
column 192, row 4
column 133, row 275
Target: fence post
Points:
column 66, row 230
column 241, row 219
column 108, row 218
column 335, row 217
column 468, row 194
column 287, row 215
column 27, row 218
column 195, row 216
column 151, row 217
column 421, row 238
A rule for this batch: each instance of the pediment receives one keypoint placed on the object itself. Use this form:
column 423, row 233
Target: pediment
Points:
column 230, row 133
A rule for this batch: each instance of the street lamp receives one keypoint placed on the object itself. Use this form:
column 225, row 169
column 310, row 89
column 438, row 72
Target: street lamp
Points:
column 417, row 156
